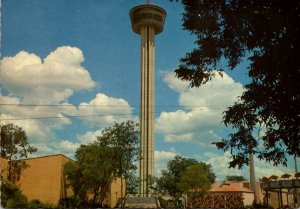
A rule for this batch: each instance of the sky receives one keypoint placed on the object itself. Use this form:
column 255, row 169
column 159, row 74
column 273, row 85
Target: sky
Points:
column 66, row 58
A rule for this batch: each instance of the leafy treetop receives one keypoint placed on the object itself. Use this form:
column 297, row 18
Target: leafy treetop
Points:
column 266, row 33
column 168, row 182
column 14, row 147
column 194, row 179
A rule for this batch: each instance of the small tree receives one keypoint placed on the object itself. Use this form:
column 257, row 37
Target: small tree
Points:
column 168, row 182
column 96, row 164
column 90, row 175
column 194, row 180
column 11, row 196
column 132, row 184
column 122, row 139
column 14, row 148
column 74, row 178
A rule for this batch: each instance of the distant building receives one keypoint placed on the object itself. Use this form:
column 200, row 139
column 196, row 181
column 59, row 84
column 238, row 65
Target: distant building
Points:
column 234, row 192
column 228, row 194
column 281, row 191
column 44, row 180
column 274, row 191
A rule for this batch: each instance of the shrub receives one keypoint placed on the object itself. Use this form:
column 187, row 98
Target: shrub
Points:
column 38, row 204
column 11, row 196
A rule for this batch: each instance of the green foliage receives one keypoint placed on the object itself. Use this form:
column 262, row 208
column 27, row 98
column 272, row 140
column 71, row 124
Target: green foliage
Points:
column 91, row 174
column 235, row 178
column 122, row 139
column 266, row 33
column 132, row 184
column 11, row 196
column 14, row 147
column 194, row 179
column 35, row 204
column 152, row 183
column 95, row 164
column 75, row 179
column 98, row 163
column 168, row 182
column 38, row 204
column 248, row 207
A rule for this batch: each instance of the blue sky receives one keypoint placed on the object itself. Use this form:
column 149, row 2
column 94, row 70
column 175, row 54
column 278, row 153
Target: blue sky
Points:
column 61, row 58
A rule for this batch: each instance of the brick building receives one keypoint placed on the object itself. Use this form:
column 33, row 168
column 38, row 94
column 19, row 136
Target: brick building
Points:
column 43, row 180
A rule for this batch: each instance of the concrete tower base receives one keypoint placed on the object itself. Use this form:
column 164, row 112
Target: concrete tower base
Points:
column 142, row 202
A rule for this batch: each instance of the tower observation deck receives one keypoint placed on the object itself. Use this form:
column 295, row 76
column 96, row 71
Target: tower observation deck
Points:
column 147, row 20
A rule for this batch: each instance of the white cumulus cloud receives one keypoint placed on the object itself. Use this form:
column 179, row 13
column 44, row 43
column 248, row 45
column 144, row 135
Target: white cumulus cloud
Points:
column 89, row 136
column 50, row 81
column 36, row 93
column 68, row 146
column 161, row 160
column 104, row 110
column 220, row 165
column 262, row 168
column 200, row 117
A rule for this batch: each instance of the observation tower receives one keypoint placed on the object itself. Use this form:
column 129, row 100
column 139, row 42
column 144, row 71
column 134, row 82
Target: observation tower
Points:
column 147, row 20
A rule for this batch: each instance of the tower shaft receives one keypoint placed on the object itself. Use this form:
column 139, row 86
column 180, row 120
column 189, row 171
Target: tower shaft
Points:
column 252, row 173
column 147, row 106
column 147, row 21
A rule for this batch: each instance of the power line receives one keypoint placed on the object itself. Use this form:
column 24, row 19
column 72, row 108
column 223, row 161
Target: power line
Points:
column 62, row 105
column 105, row 105
column 62, row 117
column 85, row 116
column 68, row 116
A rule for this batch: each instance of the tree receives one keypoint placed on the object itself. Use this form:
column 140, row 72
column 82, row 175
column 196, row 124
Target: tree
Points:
column 235, row 178
column 14, row 148
column 97, row 164
column 168, row 182
column 123, row 139
column 132, row 184
column 90, row 176
column 74, row 178
column 266, row 33
column 194, row 180
column 11, row 196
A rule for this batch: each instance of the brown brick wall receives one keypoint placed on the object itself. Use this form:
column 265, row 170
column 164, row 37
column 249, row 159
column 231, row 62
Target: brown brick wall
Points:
column 115, row 192
column 3, row 166
column 42, row 180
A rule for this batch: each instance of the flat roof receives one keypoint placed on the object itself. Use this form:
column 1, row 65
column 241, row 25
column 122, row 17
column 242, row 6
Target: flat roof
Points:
column 46, row 156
